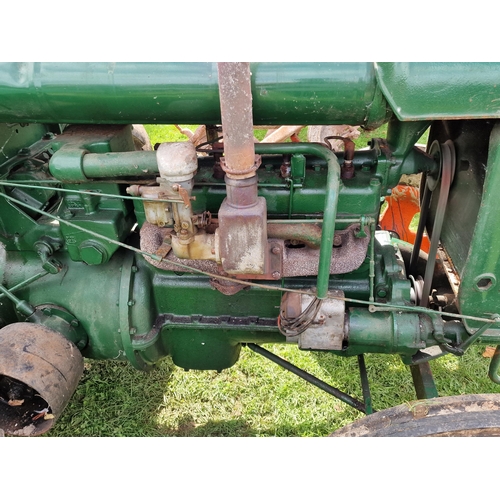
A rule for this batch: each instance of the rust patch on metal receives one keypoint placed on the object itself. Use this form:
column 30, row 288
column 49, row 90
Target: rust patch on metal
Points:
column 295, row 261
column 449, row 268
column 235, row 93
column 55, row 367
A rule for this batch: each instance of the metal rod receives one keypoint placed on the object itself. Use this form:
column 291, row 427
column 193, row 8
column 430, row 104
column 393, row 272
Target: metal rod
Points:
column 358, row 405
column 367, row 397
column 235, row 91
column 467, row 343
column 368, row 221
column 423, row 381
column 25, row 282
column 372, row 262
column 85, row 191
column 21, row 305
column 494, row 365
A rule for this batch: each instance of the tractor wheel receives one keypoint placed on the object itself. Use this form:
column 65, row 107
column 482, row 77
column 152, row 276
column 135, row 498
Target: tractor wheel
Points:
column 467, row 415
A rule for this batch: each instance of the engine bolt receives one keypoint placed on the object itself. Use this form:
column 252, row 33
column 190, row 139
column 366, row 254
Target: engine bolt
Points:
column 184, row 225
column 276, row 250
column 276, row 275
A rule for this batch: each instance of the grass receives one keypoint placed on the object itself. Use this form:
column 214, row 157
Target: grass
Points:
column 169, row 133
column 254, row 397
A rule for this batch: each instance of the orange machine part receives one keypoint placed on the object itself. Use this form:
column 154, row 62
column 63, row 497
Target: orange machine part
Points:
column 402, row 206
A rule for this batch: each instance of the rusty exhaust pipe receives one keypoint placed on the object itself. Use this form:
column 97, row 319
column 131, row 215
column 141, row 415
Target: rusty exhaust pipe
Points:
column 241, row 239
column 235, row 93
column 39, row 372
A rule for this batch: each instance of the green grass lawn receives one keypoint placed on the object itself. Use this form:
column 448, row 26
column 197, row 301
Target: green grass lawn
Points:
column 253, row 398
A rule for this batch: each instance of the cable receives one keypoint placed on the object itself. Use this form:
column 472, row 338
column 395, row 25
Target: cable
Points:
column 291, row 327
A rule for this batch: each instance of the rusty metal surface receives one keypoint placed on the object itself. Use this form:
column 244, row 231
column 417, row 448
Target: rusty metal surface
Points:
column 47, row 368
column 347, row 168
column 327, row 329
column 273, row 263
column 296, row 261
column 241, row 192
column 235, row 93
column 243, row 238
column 242, row 232
column 309, row 234
column 449, row 269
column 346, row 257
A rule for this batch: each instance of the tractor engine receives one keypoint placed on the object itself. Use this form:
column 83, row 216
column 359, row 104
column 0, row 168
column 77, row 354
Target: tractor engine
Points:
column 113, row 250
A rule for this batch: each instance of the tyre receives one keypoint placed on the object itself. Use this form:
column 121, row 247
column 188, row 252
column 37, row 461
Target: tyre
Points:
column 467, row 415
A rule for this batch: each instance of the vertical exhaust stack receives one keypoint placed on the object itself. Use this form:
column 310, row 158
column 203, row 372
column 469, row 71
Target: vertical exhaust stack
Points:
column 242, row 233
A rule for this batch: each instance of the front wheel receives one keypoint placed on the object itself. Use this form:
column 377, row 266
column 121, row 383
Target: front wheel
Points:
column 467, row 415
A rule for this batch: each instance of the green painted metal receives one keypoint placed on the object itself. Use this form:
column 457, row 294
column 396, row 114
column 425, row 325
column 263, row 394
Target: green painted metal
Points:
column 330, row 207
column 325, row 93
column 367, row 397
column 402, row 136
column 440, row 91
column 386, row 332
column 423, row 381
column 470, row 139
column 291, row 93
column 480, row 287
column 494, row 366
column 147, row 293
column 71, row 260
column 16, row 136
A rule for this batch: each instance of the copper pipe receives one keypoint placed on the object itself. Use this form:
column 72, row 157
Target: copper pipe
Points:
column 347, row 168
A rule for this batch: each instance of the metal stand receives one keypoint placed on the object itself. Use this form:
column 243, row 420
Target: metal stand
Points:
column 358, row 405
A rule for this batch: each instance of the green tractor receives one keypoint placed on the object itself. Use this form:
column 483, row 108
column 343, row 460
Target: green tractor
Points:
column 111, row 249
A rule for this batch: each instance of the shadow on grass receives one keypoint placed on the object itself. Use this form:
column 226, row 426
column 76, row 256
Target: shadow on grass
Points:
column 240, row 428
column 114, row 399
column 187, row 427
